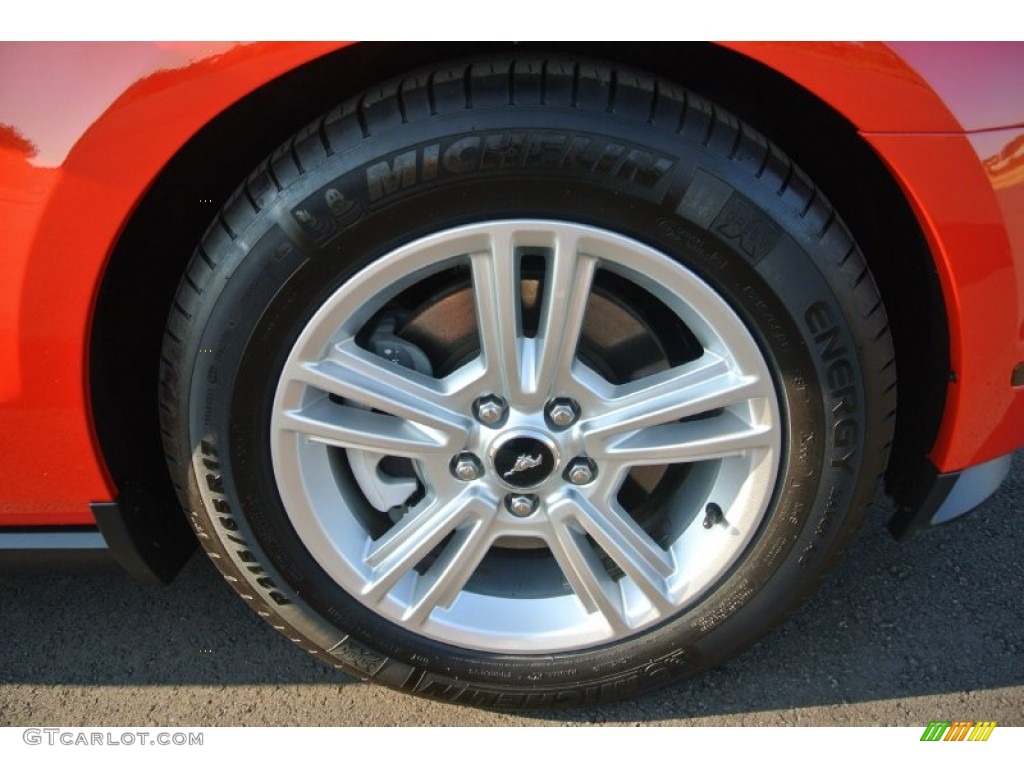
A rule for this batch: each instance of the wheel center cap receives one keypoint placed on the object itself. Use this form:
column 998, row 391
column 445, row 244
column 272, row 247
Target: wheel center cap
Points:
column 524, row 460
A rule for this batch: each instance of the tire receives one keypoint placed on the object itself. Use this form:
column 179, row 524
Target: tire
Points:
column 526, row 384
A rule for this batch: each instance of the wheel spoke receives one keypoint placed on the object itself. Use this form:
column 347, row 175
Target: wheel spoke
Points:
column 629, row 547
column 359, row 376
column 445, row 579
column 567, row 288
column 399, row 550
column 716, row 437
column 498, row 312
column 348, row 427
column 703, row 385
column 528, row 368
column 587, row 576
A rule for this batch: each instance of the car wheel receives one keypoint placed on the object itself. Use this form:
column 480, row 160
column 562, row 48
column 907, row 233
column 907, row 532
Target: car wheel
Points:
column 526, row 383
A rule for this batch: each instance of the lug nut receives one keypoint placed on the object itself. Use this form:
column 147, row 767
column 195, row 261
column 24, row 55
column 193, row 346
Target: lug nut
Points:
column 521, row 505
column 563, row 412
column 466, row 466
column 489, row 410
column 580, row 471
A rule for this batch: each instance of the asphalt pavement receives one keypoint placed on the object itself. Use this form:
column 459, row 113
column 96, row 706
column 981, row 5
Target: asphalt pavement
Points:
column 901, row 634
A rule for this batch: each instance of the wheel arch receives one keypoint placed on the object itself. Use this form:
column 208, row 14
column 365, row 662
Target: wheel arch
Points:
column 148, row 259
column 123, row 387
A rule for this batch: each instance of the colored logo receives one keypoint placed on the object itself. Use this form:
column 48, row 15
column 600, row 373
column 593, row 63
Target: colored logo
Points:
column 958, row 730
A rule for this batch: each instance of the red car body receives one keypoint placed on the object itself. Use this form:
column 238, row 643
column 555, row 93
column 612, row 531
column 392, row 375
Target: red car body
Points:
column 93, row 130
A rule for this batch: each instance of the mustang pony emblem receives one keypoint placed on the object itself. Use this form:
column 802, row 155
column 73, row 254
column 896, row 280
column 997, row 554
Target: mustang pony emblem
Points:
column 526, row 461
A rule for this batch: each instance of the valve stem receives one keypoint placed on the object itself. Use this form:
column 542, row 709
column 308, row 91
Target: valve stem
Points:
column 712, row 515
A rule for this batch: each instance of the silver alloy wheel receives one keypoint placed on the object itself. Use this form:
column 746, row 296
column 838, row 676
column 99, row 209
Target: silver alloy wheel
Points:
column 422, row 569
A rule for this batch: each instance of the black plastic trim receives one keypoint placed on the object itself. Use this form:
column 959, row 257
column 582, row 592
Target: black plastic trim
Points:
column 148, row 540
column 922, row 499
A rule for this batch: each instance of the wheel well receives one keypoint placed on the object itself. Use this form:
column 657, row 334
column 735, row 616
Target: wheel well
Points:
column 150, row 256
